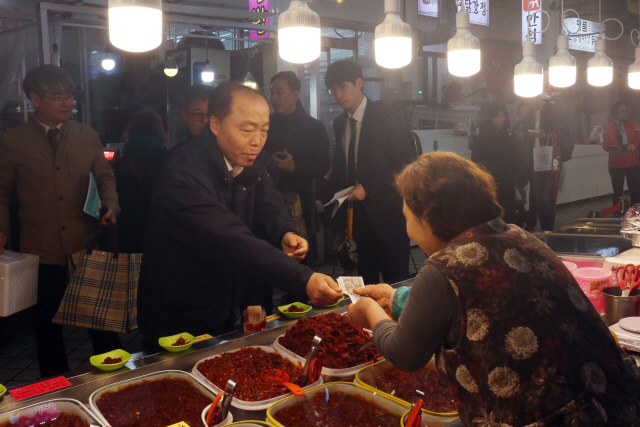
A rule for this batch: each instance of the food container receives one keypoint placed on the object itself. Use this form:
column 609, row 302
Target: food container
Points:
column 168, row 342
column 254, row 323
column 53, row 406
column 592, row 281
column 225, row 422
column 570, row 265
column 96, row 395
column 392, row 407
column 294, row 314
column 98, row 360
column 261, row 405
column 380, row 368
column 328, row 374
column 18, row 282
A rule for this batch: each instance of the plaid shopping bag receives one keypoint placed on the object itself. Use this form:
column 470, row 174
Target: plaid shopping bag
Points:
column 292, row 200
column 102, row 292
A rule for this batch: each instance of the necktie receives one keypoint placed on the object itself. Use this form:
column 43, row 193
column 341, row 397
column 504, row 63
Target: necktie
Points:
column 351, row 166
column 51, row 134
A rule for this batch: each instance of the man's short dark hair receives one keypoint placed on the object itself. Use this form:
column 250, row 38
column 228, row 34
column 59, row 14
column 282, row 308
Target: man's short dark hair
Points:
column 290, row 77
column 342, row 72
column 221, row 98
column 47, row 79
column 196, row 93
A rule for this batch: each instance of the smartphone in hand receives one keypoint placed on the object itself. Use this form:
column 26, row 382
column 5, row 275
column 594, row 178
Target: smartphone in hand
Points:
column 281, row 155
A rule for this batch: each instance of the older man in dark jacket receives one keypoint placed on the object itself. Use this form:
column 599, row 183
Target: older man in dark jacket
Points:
column 200, row 245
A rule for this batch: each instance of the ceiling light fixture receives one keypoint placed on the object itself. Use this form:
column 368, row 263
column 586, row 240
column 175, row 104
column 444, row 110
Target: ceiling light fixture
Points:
column 393, row 43
column 562, row 66
column 135, row 25
column 634, row 69
column 170, row 67
column 528, row 74
column 299, row 33
column 600, row 66
column 250, row 81
column 463, row 50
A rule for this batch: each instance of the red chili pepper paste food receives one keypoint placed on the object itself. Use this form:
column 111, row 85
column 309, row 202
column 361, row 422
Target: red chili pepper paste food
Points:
column 294, row 309
column 244, row 367
column 158, row 403
column 438, row 396
column 44, row 420
column 340, row 339
column 112, row 360
column 339, row 410
column 179, row 341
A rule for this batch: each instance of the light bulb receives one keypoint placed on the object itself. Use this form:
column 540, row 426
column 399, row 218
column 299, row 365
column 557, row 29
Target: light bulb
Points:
column 600, row 66
column 634, row 72
column 170, row 67
column 562, row 66
column 250, row 81
column 299, row 33
column 527, row 79
column 393, row 44
column 135, row 25
column 108, row 63
column 207, row 73
column 463, row 50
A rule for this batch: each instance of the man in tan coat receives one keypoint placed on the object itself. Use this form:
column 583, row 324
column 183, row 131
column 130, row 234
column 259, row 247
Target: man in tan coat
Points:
column 48, row 161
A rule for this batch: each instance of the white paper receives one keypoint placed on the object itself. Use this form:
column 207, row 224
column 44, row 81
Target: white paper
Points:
column 348, row 283
column 339, row 197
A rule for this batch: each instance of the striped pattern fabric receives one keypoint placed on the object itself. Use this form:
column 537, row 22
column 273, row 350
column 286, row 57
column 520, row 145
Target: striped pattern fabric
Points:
column 102, row 292
column 292, row 200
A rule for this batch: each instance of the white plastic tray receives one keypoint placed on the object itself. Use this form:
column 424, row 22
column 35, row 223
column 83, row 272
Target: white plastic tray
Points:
column 96, row 395
column 244, row 404
column 69, row 406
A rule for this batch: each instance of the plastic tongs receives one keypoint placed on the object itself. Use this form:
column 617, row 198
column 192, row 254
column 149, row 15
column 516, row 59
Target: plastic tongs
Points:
column 212, row 409
column 414, row 419
column 313, row 365
column 229, row 391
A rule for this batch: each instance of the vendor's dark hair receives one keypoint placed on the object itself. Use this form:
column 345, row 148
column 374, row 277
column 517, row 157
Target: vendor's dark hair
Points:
column 451, row 193
column 146, row 121
column 613, row 112
column 221, row 98
column 47, row 79
column 492, row 110
column 341, row 72
column 290, row 77
column 197, row 92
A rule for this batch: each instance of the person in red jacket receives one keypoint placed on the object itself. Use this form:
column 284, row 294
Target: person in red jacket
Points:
column 621, row 138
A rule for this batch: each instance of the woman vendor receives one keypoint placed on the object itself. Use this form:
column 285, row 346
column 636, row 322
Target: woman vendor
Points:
column 509, row 325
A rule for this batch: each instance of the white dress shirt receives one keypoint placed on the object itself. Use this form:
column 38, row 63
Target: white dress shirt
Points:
column 235, row 170
column 46, row 128
column 358, row 115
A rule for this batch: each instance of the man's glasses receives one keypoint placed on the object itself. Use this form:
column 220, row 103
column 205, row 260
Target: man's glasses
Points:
column 59, row 99
column 199, row 116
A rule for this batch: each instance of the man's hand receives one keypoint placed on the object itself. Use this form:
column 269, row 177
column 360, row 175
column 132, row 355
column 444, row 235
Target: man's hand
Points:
column 382, row 294
column 322, row 290
column 357, row 193
column 628, row 149
column 287, row 164
column 295, row 246
column 108, row 218
column 3, row 241
column 366, row 313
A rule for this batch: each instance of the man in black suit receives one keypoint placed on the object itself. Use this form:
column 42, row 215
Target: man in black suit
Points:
column 372, row 147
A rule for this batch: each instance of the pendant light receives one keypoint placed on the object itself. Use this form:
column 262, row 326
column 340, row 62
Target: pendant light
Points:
column 170, row 67
column 135, row 25
column 634, row 69
column 600, row 66
column 299, row 33
column 207, row 71
column 393, row 44
column 108, row 63
column 562, row 66
column 463, row 50
column 528, row 76
column 250, row 81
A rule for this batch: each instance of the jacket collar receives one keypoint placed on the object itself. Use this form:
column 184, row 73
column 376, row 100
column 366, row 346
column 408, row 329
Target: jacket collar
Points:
column 495, row 226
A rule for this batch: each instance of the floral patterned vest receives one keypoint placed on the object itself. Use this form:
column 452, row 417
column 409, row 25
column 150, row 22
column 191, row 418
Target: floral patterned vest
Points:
column 532, row 351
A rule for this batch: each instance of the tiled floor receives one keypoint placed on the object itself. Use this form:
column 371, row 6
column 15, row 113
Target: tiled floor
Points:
column 18, row 358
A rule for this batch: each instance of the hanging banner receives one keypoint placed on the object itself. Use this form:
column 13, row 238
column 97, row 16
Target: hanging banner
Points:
column 259, row 6
column 478, row 11
column 428, row 8
column 585, row 40
column 531, row 12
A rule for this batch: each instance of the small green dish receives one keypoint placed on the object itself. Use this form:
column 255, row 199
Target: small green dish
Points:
column 3, row 390
column 294, row 315
column 114, row 354
column 167, row 342
column 332, row 305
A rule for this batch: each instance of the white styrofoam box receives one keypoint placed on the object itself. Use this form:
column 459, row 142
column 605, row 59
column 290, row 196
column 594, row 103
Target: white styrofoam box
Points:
column 18, row 282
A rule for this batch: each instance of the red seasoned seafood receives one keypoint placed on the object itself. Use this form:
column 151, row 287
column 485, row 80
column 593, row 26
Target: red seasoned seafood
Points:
column 340, row 340
column 294, row 309
column 336, row 410
column 47, row 419
column 112, row 360
column 244, row 367
column 180, row 341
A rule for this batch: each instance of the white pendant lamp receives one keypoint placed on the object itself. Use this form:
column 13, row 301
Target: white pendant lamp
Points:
column 108, row 63
column 562, row 66
column 135, row 25
column 600, row 67
column 207, row 73
column 250, row 81
column 463, row 50
column 299, row 33
column 393, row 44
column 170, row 67
column 528, row 77
column 634, row 72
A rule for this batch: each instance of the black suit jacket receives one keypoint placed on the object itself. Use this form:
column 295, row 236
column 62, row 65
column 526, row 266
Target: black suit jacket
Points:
column 385, row 148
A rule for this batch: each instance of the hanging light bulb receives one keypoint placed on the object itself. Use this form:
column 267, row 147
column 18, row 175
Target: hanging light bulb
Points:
column 207, row 72
column 250, row 81
column 562, row 66
column 170, row 67
column 600, row 67
column 634, row 72
column 527, row 79
column 299, row 33
column 463, row 50
column 55, row 55
column 393, row 44
column 135, row 25
column 108, row 63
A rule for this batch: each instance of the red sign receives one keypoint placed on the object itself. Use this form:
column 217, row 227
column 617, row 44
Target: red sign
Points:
column 109, row 155
column 533, row 5
column 37, row 389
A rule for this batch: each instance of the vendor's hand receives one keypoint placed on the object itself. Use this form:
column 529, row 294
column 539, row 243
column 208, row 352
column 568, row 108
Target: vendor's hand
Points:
column 295, row 246
column 382, row 294
column 366, row 313
column 357, row 193
column 614, row 149
column 3, row 241
column 323, row 290
column 287, row 164
column 108, row 218
column 629, row 149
